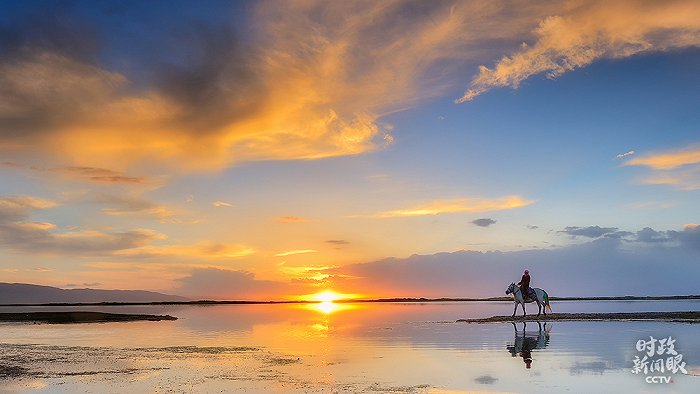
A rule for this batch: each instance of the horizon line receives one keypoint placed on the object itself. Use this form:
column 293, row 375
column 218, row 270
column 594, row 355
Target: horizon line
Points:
column 349, row 300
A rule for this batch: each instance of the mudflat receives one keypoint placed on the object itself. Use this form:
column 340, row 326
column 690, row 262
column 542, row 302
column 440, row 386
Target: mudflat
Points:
column 685, row 317
column 79, row 317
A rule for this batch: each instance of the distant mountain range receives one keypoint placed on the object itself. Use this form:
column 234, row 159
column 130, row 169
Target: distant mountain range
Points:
column 22, row 293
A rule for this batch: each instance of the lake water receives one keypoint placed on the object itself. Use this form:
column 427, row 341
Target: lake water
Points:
column 326, row 348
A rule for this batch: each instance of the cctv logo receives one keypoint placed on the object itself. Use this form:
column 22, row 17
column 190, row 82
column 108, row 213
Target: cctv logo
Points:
column 658, row 379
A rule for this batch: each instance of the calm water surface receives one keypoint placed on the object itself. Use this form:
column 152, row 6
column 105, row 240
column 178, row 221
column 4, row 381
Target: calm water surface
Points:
column 344, row 348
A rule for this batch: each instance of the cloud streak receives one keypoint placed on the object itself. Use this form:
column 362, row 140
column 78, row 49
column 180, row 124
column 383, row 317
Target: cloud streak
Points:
column 294, row 252
column 201, row 250
column 622, row 155
column 104, row 175
column 17, row 207
column 585, row 31
column 668, row 160
column 90, row 174
column 459, row 205
column 133, row 206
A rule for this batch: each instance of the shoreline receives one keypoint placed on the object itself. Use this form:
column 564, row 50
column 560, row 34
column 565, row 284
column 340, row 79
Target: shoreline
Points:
column 679, row 317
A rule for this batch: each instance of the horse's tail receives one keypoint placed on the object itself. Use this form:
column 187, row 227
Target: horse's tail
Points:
column 546, row 302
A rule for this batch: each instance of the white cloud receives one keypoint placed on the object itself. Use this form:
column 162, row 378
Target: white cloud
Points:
column 628, row 153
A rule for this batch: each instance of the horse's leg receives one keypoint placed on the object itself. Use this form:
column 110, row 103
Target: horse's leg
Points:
column 523, row 304
column 515, row 308
column 544, row 308
column 544, row 304
column 539, row 307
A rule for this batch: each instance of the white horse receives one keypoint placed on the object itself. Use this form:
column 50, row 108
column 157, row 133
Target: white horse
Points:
column 542, row 299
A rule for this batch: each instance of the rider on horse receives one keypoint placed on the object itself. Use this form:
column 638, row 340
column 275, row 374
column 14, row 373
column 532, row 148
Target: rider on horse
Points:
column 525, row 285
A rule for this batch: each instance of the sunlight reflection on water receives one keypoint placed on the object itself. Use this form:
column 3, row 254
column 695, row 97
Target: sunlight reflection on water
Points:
column 328, row 307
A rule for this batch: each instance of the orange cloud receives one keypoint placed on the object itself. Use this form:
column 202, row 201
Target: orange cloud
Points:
column 313, row 85
column 160, row 212
column 316, row 273
column 202, row 250
column 667, row 161
column 104, row 128
column 583, row 31
column 679, row 168
column 459, row 205
column 293, row 252
column 132, row 205
column 19, row 206
column 100, row 175
column 220, row 204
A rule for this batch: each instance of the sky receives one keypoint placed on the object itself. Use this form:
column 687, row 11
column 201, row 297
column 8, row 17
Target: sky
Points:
column 269, row 150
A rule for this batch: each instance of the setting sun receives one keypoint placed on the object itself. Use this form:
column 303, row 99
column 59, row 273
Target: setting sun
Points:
column 327, row 296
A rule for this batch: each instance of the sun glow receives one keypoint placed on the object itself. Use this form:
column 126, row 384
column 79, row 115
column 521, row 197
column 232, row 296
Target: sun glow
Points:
column 325, row 301
column 326, row 307
column 327, row 296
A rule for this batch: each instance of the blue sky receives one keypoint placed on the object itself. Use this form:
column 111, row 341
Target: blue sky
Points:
column 282, row 145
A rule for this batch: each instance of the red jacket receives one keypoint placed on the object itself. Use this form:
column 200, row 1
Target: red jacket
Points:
column 525, row 281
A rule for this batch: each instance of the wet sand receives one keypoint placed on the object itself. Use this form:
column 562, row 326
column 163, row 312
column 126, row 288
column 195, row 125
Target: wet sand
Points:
column 685, row 317
column 78, row 317
column 176, row 369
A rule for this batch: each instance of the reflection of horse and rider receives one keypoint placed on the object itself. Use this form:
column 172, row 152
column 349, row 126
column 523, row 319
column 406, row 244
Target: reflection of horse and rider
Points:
column 527, row 341
column 523, row 293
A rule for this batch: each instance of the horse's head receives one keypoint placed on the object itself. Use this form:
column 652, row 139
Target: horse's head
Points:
column 510, row 288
